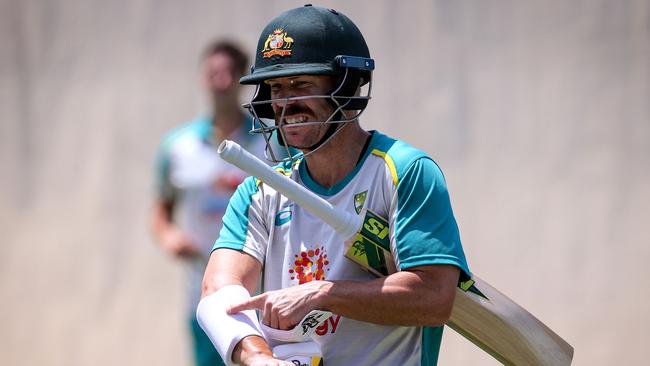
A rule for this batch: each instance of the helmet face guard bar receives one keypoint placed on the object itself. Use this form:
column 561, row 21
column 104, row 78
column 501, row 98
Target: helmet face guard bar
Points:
column 359, row 63
column 356, row 73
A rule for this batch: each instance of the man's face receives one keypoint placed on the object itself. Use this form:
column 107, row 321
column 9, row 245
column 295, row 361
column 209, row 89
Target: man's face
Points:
column 296, row 112
column 221, row 80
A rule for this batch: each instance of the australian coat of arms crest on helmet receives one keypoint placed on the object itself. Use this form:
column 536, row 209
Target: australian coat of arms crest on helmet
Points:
column 277, row 44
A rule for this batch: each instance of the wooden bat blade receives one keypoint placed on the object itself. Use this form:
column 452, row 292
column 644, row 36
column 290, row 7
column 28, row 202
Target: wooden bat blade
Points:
column 481, row 313
column 505, row 330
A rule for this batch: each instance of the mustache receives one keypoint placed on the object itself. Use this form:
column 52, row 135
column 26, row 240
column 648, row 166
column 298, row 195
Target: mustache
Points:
column 292, row 109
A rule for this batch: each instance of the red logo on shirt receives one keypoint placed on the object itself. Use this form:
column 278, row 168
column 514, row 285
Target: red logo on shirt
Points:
column 310, row 265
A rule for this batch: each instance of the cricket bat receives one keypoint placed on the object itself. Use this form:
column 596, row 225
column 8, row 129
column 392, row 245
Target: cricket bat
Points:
column 481, row 313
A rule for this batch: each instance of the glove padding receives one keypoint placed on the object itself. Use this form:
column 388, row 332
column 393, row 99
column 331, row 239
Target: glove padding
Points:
column 300, row 354
column 300, row 333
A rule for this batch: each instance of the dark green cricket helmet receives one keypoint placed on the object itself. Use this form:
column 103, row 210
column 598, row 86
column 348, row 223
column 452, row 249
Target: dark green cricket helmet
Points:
column 311, row 40
column 306, row 41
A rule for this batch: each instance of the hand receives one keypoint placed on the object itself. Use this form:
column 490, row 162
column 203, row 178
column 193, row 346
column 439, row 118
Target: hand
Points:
column 283, row 309
column 178, row 244
column 269, row 362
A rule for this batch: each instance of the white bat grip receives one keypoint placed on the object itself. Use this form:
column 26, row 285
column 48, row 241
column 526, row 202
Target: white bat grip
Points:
column 344, row 223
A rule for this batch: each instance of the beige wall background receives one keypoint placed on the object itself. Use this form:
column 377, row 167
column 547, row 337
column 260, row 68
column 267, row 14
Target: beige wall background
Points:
column 538, row 112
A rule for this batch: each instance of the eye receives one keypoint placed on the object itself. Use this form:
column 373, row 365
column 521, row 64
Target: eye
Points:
column 302, row 84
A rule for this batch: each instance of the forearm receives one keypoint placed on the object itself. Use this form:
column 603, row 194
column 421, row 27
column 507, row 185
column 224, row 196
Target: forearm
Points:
column 227, row 268
column 161, row 219
column 237, row 337
column 408, row 298
column 251, row 348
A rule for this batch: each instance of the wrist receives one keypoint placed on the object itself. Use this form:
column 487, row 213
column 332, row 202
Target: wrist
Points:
column 171, row 229
column 251, row 348
column 323, row 297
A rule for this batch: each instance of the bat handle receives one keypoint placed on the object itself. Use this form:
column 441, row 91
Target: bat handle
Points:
column 345, row 223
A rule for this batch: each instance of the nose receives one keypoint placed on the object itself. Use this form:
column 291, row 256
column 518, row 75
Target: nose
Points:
column 281, row 98
column 221, row 81
column 283, row 102
column 279, row 106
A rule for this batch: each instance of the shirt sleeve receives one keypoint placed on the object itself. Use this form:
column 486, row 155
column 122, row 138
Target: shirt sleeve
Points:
column 244, row 228
column 426, row 232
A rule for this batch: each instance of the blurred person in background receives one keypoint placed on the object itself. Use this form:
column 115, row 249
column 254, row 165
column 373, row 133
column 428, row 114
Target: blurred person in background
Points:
column 194, row 185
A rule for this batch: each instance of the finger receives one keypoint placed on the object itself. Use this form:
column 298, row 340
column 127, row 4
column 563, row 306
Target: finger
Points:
column 267, row 314
column 272, row 362
column 248, row 304
column 285, row 322
column 275, row 319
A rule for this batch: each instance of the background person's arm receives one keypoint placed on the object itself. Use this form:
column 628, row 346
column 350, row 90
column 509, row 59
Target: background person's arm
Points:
column 170, row 237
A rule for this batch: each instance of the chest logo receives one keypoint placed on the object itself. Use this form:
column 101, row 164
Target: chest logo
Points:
column 310, row 265
column 283, row 217
column 359, row 200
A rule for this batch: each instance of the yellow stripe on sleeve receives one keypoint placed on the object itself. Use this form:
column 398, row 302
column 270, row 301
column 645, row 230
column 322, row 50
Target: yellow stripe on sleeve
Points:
column 389, row 162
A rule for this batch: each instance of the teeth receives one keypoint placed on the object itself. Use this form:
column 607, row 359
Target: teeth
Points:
column 291, row 120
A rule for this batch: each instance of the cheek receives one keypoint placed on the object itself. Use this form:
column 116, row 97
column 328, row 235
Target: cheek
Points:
column 322, row 108
column 221, row 81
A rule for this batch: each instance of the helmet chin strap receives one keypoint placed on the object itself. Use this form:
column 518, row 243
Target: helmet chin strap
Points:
column 331, row 130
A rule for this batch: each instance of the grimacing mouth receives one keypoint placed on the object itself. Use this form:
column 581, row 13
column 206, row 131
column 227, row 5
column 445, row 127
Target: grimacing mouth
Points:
column 294, row 119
